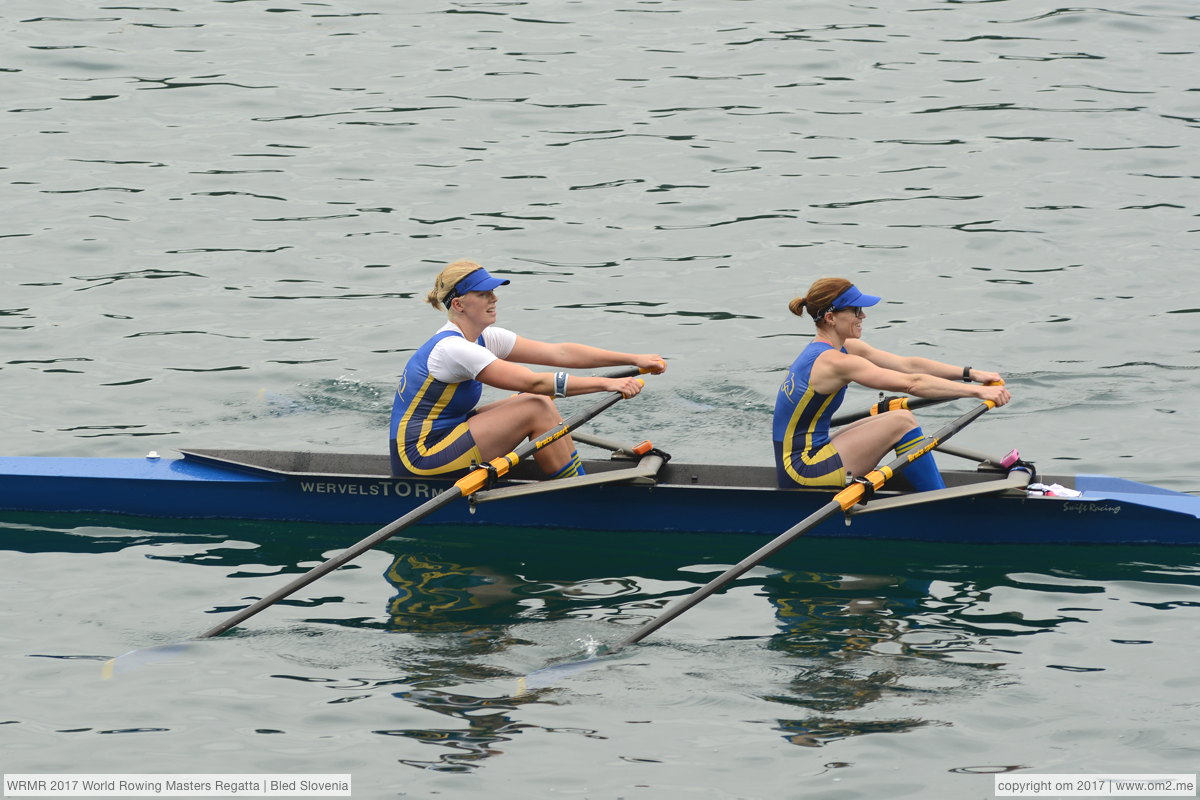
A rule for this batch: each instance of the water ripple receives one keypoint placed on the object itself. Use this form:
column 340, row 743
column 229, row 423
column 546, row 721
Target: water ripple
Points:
column 221, row 220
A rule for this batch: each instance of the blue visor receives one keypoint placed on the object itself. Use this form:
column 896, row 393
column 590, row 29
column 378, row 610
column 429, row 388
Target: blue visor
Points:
column 853, row 298
column 478, row 281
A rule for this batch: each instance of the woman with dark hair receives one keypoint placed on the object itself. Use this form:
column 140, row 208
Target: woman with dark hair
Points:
column 806, row 452
column 436, row 428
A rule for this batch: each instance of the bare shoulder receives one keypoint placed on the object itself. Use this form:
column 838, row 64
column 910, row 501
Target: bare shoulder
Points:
column 858, row 347
column 832, row 370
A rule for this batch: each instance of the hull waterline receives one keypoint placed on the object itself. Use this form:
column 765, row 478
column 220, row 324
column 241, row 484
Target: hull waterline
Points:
column 358, row 489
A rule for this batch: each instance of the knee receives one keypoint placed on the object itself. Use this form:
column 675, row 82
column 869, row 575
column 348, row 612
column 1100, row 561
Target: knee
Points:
column 540, row 408
column 904, row 420
column 903, row 424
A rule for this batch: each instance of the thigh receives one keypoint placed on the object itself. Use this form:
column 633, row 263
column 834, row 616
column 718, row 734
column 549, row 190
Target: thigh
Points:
column 500, row 426
column 436, row 453
column 821, row 468
column 863, row 444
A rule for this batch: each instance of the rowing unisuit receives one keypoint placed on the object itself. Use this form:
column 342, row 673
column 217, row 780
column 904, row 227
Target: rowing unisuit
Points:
column 436, row 394
column 804, row 455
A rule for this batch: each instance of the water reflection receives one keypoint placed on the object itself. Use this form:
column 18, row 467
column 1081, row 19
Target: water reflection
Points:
column 922, row 628
column 483, row 723
column 435, row 595
column 913, row 616
column 438, row 594
column 837, row 638
column 821, row 731
column 918, row 630
column 832, row 627
column 860, row 634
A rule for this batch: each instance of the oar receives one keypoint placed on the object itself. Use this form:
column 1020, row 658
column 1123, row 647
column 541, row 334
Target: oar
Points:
column 853, row 494
column 893, row 403
column 888, row 404
column 844, row 500
column 472, row 482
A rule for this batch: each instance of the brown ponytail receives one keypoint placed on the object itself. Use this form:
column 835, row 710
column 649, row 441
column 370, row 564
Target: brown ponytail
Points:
column 820, row 298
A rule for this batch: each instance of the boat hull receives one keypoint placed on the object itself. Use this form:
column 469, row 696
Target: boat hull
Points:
column 357, row 489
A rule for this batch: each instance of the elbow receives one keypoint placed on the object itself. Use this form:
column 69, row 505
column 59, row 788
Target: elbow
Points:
column 922, row 385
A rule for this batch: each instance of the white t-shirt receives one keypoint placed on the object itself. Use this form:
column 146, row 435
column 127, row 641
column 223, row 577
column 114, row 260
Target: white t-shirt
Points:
column 455, row 359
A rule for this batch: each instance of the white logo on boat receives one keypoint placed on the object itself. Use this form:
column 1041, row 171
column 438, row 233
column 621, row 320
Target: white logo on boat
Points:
column 1092, row 508
column 376, row 489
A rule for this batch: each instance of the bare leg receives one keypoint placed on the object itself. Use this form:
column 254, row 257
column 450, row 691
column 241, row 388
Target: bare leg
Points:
column 499, row 427
column 864, row 443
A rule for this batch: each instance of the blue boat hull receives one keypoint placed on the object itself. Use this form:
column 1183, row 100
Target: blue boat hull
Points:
column 354, row 489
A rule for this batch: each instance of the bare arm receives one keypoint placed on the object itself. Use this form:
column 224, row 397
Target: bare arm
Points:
column 834, row 369
column 581, row 356
column 917, row 364
column 518, row 378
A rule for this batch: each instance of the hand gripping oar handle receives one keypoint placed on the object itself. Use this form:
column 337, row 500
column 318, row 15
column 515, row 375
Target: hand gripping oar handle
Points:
column 843, row 500
column 472, row 482
column 887, row 404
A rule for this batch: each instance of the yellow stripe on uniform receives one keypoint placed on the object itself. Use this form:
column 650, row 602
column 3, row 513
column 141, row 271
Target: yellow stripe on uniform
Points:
column 837, row 477
column 462, row 462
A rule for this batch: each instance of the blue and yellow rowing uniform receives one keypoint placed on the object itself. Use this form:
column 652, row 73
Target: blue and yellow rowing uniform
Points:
column 804, row 455
column 429, row 432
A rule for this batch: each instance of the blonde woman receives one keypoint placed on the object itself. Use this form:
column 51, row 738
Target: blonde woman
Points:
column 806, row 453
column 436, row 427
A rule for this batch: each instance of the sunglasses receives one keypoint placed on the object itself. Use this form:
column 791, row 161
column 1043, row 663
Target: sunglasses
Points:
column 855, row 310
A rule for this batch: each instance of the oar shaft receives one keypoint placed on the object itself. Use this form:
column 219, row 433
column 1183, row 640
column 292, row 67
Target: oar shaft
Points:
column 550, row 436
column 468, row 484
column 895, row 404
column 857, row 491
column 733, row 573
column 843, row 500
column 342, row 558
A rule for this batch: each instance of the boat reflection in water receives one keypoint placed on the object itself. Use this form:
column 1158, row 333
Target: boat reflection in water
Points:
column 830, row 639
column 859, row 626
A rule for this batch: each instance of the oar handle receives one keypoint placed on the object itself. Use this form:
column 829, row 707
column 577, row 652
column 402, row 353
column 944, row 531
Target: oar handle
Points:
column 888, row 404
column 626, row 372
column 897, row 403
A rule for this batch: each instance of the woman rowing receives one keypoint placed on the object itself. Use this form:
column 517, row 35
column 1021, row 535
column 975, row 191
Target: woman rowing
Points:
column 806, row 452
column 436, row 427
